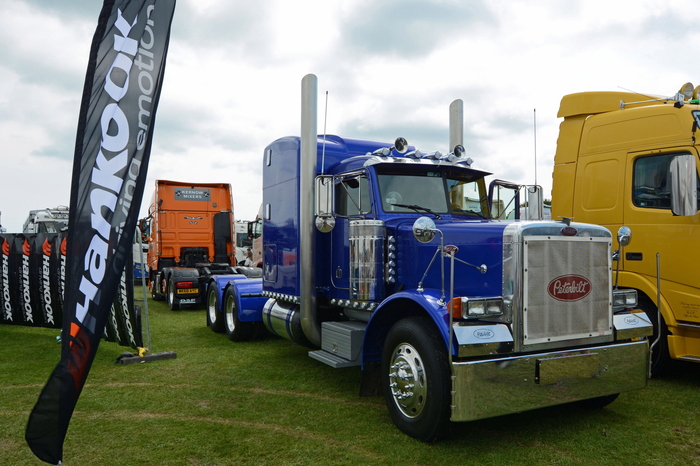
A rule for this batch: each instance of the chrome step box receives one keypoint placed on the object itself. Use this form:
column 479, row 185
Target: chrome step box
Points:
column 341, row 343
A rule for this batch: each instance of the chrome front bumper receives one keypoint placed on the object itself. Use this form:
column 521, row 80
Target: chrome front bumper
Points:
column 491, row 388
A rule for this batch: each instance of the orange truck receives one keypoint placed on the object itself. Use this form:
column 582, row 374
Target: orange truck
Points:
column 190, row 235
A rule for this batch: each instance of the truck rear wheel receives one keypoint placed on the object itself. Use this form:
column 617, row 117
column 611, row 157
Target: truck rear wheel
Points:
column 170, row 297
column 416, row 379
column 235, row 329
column 215, row 320
column 154, row 284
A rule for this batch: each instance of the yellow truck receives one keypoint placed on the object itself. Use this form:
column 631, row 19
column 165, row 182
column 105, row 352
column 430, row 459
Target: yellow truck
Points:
column 629, row 160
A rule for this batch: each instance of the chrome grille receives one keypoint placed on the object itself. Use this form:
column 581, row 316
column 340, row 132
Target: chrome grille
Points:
column 567, row 292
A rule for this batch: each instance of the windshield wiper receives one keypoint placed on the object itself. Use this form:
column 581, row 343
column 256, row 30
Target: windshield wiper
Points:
column 472, row 212
column 417, row 208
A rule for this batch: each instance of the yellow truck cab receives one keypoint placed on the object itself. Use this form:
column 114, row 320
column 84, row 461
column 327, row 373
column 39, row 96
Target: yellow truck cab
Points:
column 626, row 159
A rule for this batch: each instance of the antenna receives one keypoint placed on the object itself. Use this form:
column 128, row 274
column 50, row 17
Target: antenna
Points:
column 323, row 150
column 635, row 92
column 534, row 112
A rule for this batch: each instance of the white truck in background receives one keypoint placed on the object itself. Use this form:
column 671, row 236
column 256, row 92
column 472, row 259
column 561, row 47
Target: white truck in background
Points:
column 49, row 220
column 249, row 241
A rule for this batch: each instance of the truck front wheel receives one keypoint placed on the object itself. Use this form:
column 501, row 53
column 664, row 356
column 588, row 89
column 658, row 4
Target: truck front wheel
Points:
column 660, row 357
column 416, row 379
column 215, row 320
column 597, row 403
column 235, row 329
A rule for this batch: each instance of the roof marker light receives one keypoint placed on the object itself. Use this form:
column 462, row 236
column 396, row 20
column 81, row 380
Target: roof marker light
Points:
column 687, row 90
column 400, row 145
column 431, row 155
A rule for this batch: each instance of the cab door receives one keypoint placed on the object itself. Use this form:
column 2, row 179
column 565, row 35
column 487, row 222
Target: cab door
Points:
column 656, row 230
column 352, row 201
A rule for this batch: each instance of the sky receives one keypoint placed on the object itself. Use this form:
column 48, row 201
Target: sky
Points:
column 390, row 67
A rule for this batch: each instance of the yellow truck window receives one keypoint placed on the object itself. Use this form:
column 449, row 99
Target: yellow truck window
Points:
column 652, row 183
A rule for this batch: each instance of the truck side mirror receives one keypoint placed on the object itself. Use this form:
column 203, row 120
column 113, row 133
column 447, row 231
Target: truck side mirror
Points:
column 624, row 236
column 534, row 209
column 504, row 200
column 325, row 200
column 424, row 229
column 684, row 185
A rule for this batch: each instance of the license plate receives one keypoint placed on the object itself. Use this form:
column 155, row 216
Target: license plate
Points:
column 578, row 366
column 188, row 291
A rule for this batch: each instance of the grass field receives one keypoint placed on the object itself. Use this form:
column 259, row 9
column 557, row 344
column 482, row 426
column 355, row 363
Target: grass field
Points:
column 267, row 403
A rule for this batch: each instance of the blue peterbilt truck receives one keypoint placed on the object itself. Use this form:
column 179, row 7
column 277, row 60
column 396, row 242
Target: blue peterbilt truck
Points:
column 377, row 255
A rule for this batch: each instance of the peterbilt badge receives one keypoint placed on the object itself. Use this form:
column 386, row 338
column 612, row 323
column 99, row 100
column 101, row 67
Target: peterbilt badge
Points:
column 569, row 288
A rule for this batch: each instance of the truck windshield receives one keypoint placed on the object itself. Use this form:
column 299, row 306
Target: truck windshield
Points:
column 436, row 190
column 51, row 227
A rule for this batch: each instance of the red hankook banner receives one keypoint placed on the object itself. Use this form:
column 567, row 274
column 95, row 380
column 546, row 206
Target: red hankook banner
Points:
column 115, row 131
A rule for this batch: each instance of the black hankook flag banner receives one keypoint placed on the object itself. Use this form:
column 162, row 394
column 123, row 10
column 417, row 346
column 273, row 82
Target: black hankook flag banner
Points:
column 113, row 142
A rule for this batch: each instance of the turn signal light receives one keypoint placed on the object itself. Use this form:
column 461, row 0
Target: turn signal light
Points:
column 473, row 308
column 624, row 299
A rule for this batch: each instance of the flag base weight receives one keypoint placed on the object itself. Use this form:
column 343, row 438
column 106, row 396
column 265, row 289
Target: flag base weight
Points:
column 149, row 357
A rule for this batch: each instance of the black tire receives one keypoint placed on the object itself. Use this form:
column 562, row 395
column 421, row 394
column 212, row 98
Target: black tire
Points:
column 660, row 357
column 215, row 320
column 170, row 297
column 416, row 379
column 597, row 403
column 235, row 329
column 154, row 286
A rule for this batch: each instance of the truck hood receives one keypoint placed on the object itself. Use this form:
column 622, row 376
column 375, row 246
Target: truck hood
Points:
column 477, row 242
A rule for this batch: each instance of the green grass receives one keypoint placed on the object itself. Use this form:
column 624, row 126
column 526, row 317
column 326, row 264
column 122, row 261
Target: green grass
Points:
column 266, row 402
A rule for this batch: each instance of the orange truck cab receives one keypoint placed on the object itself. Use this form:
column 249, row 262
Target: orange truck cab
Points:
column 190, row 236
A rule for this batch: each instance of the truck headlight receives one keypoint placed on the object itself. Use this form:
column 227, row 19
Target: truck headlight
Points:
column 624, row 299
column 472, row 308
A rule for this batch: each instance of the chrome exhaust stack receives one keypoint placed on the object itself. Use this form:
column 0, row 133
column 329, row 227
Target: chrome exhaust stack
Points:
column 456, row 124
column 307, row 230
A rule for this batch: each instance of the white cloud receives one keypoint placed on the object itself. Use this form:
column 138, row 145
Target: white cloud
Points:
column 232, row 81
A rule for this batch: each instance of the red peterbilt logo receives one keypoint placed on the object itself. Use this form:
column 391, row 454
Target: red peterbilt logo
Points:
column 569, row 288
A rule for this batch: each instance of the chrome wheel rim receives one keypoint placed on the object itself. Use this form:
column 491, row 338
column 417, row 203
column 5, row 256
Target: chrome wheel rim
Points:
column 230, row 309
column 211, row 306
column 407, row 380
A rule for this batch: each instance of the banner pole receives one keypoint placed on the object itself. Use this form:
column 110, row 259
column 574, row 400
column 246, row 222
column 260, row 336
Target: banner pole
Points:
column 151, row 356
column 143, row 288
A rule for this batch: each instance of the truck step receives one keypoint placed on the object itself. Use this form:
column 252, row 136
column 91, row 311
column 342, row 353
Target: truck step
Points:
column 341, row 343
column 332, row 360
